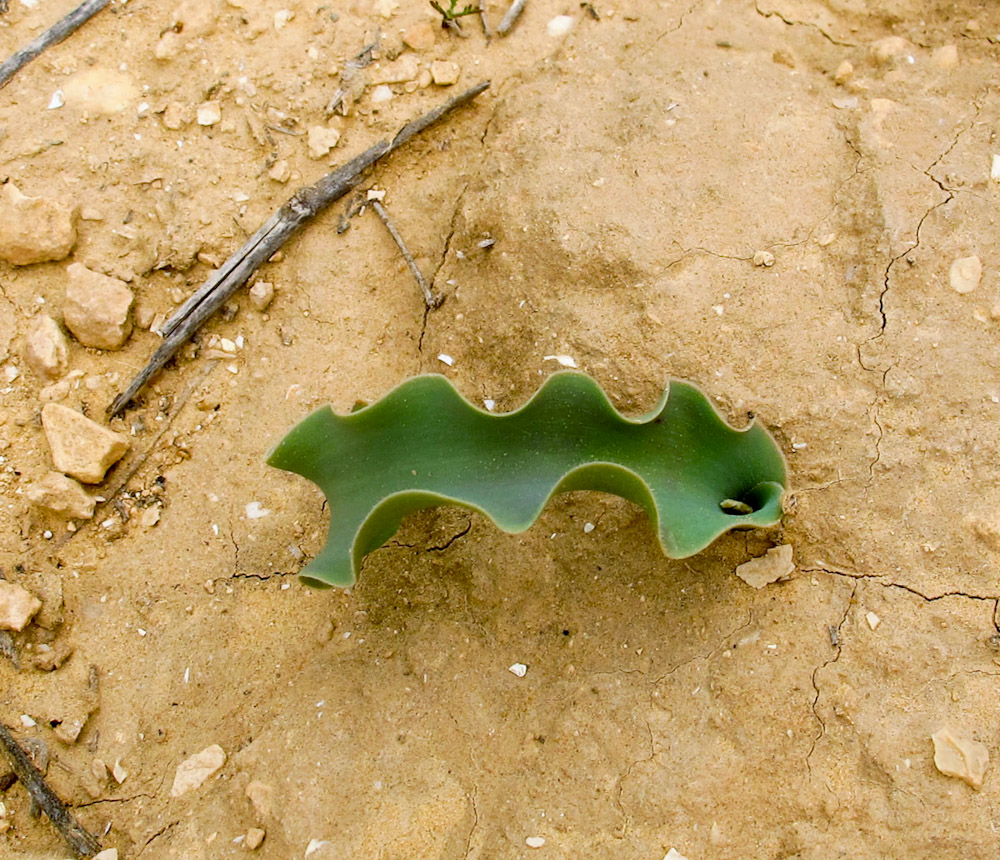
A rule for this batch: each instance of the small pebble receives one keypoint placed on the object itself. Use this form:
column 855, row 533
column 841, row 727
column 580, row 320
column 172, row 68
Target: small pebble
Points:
column 34, row 229
column 844, row 72
column 776, row 564
column 47, row 350
column 382, row 94
column 444, row 74
column 446, row 359
column 563, row 360
column 62, row 496
column 518, row 669
column 945, row 57
column 280, row 171
column 872, row 619
column 965, row 274
column 81, row 448
column 209, row 113
column 419, row 37
column 97, row 308
column 194, row 771
column 253, row 839
column 321, row 139
column 489, row 404
column 588, row 528
column 763, row 258
column 261, row 295
column 17, row 606
column 534, row 841
column 958, row 754
column 559, row 26
column 673, row 854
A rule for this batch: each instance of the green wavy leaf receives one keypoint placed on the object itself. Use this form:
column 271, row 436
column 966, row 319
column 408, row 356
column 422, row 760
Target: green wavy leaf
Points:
column 424, row 444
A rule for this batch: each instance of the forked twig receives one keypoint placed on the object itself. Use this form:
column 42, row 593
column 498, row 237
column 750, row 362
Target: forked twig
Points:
column 282, row 225
column 430, row 299
column 81, row 840
column 53, row 36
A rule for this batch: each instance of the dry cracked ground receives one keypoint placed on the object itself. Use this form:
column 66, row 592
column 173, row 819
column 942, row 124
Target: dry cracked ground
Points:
column 636, row 173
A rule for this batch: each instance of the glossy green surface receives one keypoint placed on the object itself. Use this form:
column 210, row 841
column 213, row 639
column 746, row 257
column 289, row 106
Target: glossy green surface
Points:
column 424, row 444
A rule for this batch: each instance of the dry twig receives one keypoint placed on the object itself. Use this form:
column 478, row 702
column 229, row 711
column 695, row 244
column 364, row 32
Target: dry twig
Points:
column 53, row 36
column 513, row 13
column 81, row 840
column 430, row 299
column 306, row 203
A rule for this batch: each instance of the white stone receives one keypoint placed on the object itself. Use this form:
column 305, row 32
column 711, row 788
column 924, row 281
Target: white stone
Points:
column 958, row 754
column 444, row 74
column 518, row 669
column 382, row 94
column 280, row 171
column 47, row 350
column 995, row 167
column 561, row 360
column 965, row 274
column 80, row 447
column 34, row 229
column 774, row 565
column 559, row 26
column 209, row 113
column 194, row 771
column 444, row 358
column 106, row 854
column 62, row 496
column 534, row 841
column 97, row 308
column 872, row 619
column 321, row 139
column 674, row 854
column 17, row 606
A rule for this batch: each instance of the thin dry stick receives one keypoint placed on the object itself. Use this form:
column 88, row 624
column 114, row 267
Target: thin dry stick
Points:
column 306, row 203
column 81, row 840
column 53, row 36
column 513, row 13
column 486, row 24
column 430, row 299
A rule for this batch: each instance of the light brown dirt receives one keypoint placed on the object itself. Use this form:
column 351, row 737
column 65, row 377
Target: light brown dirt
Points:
column 628, row 172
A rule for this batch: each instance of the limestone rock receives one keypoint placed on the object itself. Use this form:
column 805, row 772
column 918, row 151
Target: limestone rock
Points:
column 80, row 447
column 193, row 772
column 956, row 753
column 209, row 113
column 321, row 140
column 261, row 295
column 444, row 74
column 253, row 839
column 965, row 274
column 398, row 72
column 34, row 229
column 419, row 37
column 62, row 496
column 17, row 606
column 47, row 349
column 775, row 564
column 97, row 308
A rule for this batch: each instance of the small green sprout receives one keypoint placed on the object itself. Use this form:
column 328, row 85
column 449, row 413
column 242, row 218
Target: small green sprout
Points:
column 453, row 12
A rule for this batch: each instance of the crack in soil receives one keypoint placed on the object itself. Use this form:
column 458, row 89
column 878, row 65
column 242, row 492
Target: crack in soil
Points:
column 774, row 13
column 837, row 644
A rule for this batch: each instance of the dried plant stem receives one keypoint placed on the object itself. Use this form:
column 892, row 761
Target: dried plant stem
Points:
column 508, row 20
column 53, row 36
column 261, row 246
column 430, row 299
column 81, row 840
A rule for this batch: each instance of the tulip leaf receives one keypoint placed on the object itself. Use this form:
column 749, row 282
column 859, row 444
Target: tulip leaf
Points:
column 424, row 445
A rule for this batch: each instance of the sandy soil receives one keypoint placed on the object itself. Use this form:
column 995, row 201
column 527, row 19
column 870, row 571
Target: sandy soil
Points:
column 628, row 171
